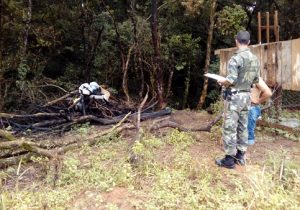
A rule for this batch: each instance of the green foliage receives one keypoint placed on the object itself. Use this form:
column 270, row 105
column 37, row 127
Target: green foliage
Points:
column 193, row 7
column 144, row 150
column 179, row 139
column 82, row 129
column 214, row 95
column 64, row 39
column 231, row 19
column 185, row 47
column 218, row 106
column 216, row 130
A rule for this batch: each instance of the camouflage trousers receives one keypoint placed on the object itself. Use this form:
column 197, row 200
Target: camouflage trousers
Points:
column 235, row 133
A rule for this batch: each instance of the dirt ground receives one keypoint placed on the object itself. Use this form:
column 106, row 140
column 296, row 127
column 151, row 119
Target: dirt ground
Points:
column 205, row 150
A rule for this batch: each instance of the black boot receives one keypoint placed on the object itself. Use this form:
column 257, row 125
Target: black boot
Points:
column 227, row 162
column 239, row 158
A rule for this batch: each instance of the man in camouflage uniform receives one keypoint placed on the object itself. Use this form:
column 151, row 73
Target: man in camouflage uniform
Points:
column 243, row 68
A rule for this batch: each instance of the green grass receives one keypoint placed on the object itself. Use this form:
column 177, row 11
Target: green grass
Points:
column 166, row 176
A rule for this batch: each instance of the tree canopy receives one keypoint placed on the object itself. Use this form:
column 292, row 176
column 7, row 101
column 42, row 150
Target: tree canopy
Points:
column 126, row 45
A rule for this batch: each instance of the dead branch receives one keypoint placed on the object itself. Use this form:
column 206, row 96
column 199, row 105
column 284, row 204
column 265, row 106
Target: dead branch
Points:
column 48, row 123
column 138, row 124
column 274, row 125
column 37, row 115
column 6, row 135
column 12, row 153
column 176, row 125
column 94, row 138
column 14, row 160
column 28, row 146
column 61, row 98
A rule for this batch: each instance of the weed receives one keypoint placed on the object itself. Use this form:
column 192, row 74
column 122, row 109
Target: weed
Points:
column 218, row 106
column 82, row 129
column 179, row 139
column 277, row 186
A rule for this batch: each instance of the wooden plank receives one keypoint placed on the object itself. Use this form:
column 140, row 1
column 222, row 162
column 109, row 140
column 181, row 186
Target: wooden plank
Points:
column 229, row 55
column 224, row 58
column 296, row 65
column 278, row 50
column 264, row 63
column 259, row 27
column 276, row 28
column 265, row 27
column 271, row 67
column 274, row 62
column 286, row 65
column 256, row 50
column 223, row 63
column 268, row 26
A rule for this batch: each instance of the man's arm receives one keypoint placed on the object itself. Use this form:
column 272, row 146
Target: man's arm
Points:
column 231, row 79
column 266, row 92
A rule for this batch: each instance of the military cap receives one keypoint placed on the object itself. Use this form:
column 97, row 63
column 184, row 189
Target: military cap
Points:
column 243, row 37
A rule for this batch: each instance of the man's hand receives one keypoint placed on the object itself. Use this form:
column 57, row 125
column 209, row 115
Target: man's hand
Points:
column 255, row 100
column 223, row 81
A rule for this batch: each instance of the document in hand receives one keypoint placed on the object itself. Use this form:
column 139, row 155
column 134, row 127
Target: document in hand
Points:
column 213, row 76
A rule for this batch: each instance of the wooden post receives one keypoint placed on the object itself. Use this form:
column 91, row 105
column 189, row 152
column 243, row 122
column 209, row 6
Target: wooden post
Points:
column 259, row 27
column 268, row 27
column 276, row 27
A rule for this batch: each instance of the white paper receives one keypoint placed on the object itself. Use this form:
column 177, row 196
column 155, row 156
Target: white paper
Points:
column 214, row 76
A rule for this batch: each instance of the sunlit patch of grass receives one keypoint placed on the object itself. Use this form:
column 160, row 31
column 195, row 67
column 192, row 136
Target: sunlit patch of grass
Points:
column 46, row 198
column 104, row 169
column 179, row 139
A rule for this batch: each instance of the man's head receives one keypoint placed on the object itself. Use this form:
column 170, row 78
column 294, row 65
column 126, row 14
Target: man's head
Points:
column 242, row 38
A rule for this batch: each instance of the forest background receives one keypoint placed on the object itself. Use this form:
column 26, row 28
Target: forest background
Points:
column 125, row 45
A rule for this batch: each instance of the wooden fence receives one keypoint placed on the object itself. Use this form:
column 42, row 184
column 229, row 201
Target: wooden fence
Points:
column 279, row 62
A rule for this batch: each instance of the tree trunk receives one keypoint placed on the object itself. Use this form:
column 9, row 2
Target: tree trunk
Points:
column 124, row 60
column 157, row 56
column 187, row 87
column 1, row 57
column 1, row 37
column 27, row 20
column 92, row 54
column 125, row 76
column 171, row 73
column 208, row 51
column 137, row 59
column 83, row 70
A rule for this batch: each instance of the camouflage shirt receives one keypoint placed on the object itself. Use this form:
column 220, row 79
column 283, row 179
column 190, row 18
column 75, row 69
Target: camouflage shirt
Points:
column 243, row 70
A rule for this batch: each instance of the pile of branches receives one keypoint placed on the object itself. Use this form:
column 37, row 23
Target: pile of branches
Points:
column 59, row 115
